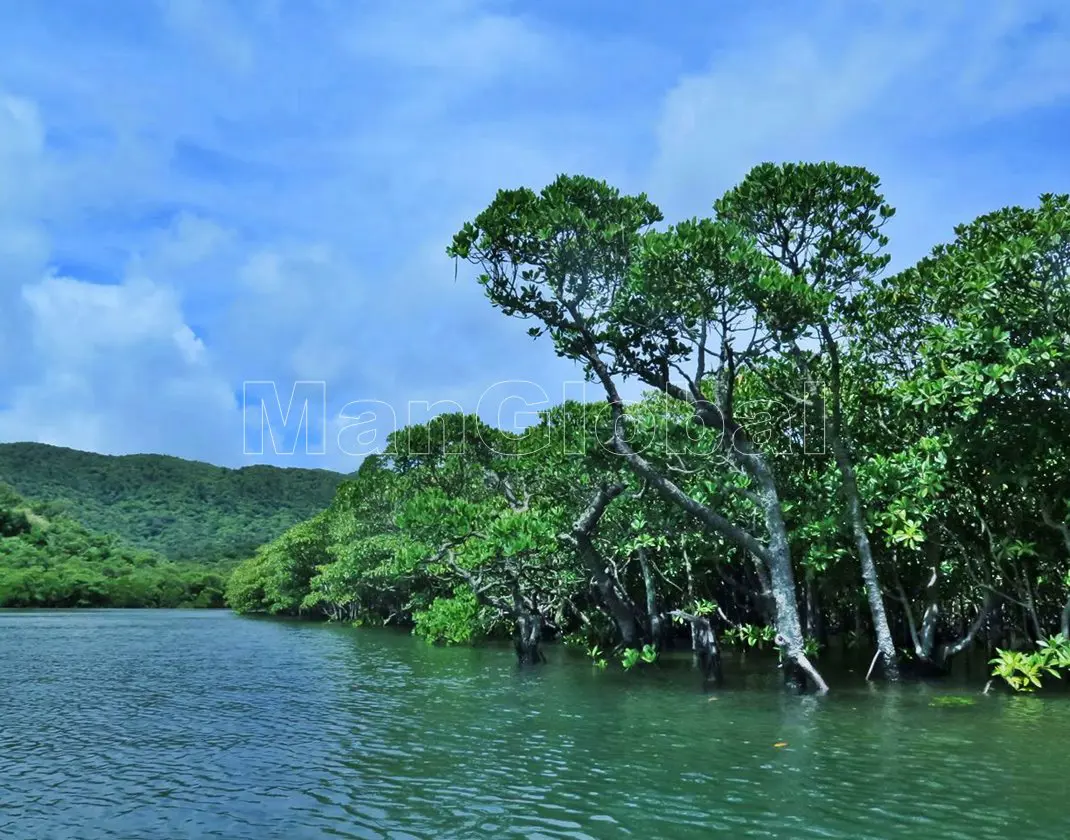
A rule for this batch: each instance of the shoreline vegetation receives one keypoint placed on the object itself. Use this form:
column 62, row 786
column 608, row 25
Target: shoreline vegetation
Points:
column 79, row 529
column 824, row 451
column 52, row 561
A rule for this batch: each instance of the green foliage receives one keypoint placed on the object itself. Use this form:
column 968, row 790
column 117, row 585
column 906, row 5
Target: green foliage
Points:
column 702, row 607
column 13, row 522
column 55, row 562
column 597, row 656
column 630, row 657
column 820, row 221
column 570, row 244
column 1023, row 671
column 185, row 510
column 456, row 620
column 810, row 417
column 749, row 635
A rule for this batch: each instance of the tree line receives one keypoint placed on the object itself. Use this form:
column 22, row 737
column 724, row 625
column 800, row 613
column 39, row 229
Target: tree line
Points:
column 187, row 511
column 824, row 449
column 48, row 560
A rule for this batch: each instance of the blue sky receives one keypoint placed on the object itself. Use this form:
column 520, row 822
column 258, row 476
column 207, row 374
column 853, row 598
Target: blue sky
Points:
column 199, row 193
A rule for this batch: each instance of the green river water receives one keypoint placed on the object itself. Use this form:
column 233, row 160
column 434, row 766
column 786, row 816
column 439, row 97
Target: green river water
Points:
column 199, row 724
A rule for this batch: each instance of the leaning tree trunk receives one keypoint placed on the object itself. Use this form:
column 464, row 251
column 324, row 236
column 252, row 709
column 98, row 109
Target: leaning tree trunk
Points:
column 834, row 429
column 855, row 514
column 614, row 602
column 763, row 592
column 776, row 552
column 885, row 641
column 782, row 580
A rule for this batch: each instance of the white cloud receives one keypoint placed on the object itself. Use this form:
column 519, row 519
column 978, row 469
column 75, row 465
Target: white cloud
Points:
column 214, row 26
column 298, row 309
column 24, row 242
column 191, row 239
column 464, row 40
column 23, row 181
column 122, row 372
column 869, row 89
column 271, row 186
column 74, row 321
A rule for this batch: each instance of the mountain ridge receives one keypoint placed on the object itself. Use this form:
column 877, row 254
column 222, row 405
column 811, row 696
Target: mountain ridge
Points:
column 183, row 509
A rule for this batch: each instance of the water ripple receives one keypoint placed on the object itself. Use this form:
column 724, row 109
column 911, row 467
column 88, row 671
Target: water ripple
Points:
column 197, row 724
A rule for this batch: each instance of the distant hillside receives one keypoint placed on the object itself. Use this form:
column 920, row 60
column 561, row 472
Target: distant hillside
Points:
column 185, row 510
column 53, row 561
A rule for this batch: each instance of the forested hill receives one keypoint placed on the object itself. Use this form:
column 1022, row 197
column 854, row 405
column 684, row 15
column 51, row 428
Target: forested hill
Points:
column 52, row 561
column 185, row 510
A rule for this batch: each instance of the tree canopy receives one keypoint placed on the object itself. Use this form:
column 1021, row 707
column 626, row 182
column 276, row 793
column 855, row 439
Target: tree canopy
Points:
column 185, row 510
column 52, row 561
column 824, row 449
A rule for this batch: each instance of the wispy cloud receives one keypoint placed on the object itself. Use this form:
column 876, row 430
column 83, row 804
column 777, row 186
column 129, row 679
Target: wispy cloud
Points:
column 200, row 192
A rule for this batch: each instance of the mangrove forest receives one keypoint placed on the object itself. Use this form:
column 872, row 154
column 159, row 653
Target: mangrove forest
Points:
column 824, row 449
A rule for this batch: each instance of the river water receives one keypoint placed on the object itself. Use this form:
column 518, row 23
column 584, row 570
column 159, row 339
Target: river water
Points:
column 201, row 724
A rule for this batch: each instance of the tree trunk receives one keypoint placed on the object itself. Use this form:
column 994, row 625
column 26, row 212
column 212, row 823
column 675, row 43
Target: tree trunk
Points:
column 615, row 603
column 528, row 638
column 658, row 627
column 855, row 515
column 885, row 642
column 947, row 651
column 707, row 653
column 925, row 639
column 763, row 598
column 776, row 552
column 524, row 611
column 782, row 580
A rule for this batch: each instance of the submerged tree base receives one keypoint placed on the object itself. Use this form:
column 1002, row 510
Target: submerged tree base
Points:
column 528, row 640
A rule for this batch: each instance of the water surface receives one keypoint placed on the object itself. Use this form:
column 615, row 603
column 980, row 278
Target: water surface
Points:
column 200, row 724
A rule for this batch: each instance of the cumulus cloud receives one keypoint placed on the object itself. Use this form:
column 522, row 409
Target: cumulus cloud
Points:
column 24, row 241
column 121, row 372
column 466, row 39
column 213, row 26
column 907, row 89
column 204, row 193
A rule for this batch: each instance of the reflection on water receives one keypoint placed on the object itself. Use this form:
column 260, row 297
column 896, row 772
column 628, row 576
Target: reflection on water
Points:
column 138, row 724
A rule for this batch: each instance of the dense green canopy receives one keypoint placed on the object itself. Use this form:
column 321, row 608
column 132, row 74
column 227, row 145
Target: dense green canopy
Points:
column 184, row 510
column 52, row 561
column 823, row 449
